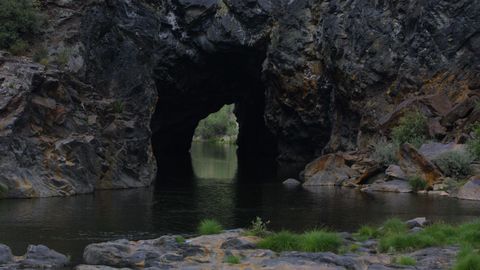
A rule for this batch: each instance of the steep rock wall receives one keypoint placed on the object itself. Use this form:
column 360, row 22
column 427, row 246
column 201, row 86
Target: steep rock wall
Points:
column 324, row 72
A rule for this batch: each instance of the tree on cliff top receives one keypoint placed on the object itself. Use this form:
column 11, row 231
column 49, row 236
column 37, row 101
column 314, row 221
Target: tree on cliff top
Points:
column 20, row 21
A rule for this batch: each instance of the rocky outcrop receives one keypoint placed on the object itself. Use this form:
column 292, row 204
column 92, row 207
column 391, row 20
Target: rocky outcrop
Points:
column 37, row 257
column 307, row 77
column 59, row 137
column 210, row 252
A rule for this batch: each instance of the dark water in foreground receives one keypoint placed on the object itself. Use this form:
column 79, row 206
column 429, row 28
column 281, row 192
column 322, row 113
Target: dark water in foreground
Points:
column 215, row 186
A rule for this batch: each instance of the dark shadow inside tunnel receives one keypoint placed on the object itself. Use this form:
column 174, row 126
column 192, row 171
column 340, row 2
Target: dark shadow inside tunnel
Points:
column 188, row 92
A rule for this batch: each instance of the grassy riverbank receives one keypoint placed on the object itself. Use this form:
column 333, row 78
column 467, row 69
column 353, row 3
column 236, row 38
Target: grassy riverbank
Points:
column 393, row 237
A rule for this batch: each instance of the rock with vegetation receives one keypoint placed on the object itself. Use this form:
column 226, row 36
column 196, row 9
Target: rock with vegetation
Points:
column 415, row 244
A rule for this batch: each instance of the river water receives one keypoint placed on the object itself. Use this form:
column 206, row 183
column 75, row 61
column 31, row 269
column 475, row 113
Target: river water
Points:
column 212, row 185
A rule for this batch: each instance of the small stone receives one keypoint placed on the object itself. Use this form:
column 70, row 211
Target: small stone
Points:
column 417, row 222
column 290, row 182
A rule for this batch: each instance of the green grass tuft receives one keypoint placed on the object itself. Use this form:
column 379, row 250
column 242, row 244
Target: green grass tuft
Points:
column 320, row 241
column 209, row 226
column 179, row 239
column 405, row 260
column 311, row 241
column 365, row 232
column 232, row 259
column 281, row 241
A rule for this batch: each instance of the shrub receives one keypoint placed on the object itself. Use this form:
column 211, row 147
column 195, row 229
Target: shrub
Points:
column 217, row 125
column 258, row 228
column 405, row 260
column 473, row 145
column 454, row 163
column 19, row 47
column 209, row 226
column 20, row 21
column 320, row 241
column 281, row 241
column 417, row 183
column 412, row 129
column 232, row 259
column 385, row 153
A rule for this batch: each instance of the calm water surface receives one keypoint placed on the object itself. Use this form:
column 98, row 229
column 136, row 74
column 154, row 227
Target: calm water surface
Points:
column 211, row 185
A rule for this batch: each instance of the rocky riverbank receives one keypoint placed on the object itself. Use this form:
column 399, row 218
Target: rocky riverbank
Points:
column 233, row 249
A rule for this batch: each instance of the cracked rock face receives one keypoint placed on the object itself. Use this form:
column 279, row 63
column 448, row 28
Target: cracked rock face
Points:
column 307, row 77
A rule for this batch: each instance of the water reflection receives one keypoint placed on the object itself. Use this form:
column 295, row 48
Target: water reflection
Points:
column 209, row 184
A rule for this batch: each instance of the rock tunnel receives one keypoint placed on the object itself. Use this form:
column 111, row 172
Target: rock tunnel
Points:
column 232, row 77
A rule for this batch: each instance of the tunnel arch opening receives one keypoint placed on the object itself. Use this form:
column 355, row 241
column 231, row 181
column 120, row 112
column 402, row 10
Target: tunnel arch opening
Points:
column 190, row 91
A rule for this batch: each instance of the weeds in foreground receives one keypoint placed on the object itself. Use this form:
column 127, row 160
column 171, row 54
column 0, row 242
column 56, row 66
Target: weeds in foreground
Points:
column 405, row 260
column 209, row 226
column 311, row 241
column 232, row 259
column 258, row 228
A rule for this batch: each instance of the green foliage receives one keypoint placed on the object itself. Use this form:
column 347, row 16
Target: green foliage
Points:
column 118, row 107
column 393, row 226
column 40, row 55
column 179, row 239
column 20, row 21
column 63, row 57
column 365, row 232
column 217, row 125
column 405, row 260
column 281, row 241
column 439, row 234
column 18, row 47
column 3, row 189
column 473, row 145
column 467, row 259
column 320, row 241
column 455, row 163
column 417, row 183
column 385, row 153
column 232, row 259
column 258, row 228
column 311, row 241
column 209, row 226
column 412, row 129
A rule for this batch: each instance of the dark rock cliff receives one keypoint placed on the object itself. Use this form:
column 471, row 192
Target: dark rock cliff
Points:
column 307, row 77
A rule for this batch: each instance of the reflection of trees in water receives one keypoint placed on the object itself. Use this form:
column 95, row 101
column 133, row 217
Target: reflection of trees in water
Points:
column 214, row 161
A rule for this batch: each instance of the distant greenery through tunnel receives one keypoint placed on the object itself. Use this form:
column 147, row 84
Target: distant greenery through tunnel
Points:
column 220, row 126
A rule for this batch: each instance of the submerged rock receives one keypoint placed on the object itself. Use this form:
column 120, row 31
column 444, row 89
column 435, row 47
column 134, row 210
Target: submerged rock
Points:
column 291, row 182
column 399, row 186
